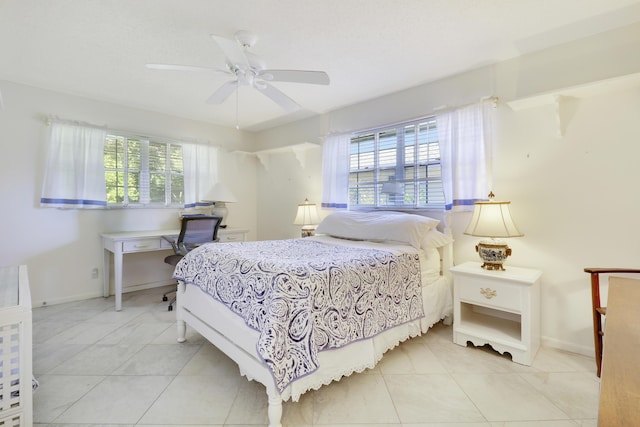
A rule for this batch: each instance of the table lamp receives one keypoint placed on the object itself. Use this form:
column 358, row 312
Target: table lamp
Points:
column 307, row 217
column 220, row 195
column 492, row 219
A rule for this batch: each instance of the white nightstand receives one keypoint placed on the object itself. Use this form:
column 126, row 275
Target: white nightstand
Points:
column 499, row 308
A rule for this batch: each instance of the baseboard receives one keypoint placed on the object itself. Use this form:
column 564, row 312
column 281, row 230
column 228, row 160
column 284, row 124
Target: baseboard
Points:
column 98, row 294
column 566, row 346
column 142, row 286
column 73, row 298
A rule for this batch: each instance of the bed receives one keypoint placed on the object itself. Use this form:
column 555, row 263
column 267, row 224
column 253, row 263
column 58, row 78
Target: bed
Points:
column 297, row 314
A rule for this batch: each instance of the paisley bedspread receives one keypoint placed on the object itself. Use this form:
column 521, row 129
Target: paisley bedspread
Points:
column 305, row 296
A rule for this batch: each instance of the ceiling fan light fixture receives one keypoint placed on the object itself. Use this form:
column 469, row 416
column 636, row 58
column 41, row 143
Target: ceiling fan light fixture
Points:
column 246, row 38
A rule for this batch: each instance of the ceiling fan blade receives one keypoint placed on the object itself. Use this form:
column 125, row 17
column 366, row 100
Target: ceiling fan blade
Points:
column 278, row 97
column 223, row 92
column 171, row 67
column 233, row 51
column 295, row 76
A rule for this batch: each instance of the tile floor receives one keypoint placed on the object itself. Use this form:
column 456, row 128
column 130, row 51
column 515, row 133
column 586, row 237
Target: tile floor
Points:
column 100, row 367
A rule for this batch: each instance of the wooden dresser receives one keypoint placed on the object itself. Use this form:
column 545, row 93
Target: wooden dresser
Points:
column 620, row 384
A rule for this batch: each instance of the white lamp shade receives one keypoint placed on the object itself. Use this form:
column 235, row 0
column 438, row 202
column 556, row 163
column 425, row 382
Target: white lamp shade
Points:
column 307, row 214
column 492, row 219
column 220, row 193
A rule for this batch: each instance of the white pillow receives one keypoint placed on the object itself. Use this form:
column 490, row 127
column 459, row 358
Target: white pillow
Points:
column 398, row 227
column 435, row 239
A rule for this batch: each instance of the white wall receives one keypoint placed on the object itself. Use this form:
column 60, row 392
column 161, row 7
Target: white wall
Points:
column 61, row 247
column 284, row 181
column 575, row 200
column 573, row 196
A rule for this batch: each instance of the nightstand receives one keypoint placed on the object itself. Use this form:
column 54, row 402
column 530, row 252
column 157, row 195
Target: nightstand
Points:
column 499, row 308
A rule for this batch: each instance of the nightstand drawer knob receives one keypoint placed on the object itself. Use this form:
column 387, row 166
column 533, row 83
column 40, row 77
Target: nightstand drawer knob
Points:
column 488, row 293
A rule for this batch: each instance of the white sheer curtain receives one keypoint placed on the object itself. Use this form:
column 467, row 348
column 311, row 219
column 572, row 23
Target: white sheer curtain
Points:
column 335, row 171
column 465, row 150
column 74, row 173
column 200, row 173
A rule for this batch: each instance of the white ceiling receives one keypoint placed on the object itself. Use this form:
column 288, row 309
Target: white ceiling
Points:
column 369, row 48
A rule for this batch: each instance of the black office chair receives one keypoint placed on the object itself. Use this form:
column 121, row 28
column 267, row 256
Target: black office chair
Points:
column 194, row 231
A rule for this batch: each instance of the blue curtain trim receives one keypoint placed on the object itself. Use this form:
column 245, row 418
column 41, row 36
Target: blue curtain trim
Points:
column 72, row 202
column 197, row 204
column 461, row 202
column 334, row 205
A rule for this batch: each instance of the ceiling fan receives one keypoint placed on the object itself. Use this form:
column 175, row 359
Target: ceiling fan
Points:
column 250, row 70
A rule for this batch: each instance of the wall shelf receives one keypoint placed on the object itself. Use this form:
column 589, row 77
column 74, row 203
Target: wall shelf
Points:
column 559, row 97
column 587, row 90
column 297, row 149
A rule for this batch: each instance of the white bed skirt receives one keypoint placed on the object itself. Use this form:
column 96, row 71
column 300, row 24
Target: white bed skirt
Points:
column 231, row 335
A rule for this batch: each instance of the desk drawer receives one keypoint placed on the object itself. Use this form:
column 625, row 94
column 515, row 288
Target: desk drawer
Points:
column 141, row 245
column 231, row 237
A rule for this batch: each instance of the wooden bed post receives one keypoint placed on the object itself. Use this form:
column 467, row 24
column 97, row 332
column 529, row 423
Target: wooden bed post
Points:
column 182, row 326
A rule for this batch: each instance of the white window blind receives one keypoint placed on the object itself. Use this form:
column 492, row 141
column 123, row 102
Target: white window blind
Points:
column 397, row 166
column 143, row 172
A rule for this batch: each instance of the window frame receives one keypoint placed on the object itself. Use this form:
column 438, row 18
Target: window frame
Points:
column 145, row 172
column 390, row 161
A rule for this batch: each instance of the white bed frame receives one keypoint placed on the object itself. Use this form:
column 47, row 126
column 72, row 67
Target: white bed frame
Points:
column 228, row 332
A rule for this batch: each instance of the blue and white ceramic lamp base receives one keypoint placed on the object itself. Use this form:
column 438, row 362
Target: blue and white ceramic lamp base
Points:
column 493, row 253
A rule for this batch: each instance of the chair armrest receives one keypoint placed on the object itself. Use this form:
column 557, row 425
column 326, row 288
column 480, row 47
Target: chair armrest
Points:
column 607, row 270
column 188, row 247
column 174, row 245
column 181, row 249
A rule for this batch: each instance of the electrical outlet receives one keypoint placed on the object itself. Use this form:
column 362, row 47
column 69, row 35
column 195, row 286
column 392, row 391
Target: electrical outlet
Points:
column 94, row 273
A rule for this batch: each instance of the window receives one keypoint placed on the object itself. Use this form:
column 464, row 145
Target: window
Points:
column 143, row 172
column 396, row 166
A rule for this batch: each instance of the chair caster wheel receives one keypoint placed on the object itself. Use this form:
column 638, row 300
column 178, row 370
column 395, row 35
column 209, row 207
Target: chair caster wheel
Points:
column 165, row 299
column 170, row 308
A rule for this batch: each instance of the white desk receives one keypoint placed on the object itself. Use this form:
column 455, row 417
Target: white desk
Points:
column 128, row 242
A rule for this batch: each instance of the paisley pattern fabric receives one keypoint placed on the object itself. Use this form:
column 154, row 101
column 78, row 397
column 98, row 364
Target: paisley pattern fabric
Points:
column 305, row 296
